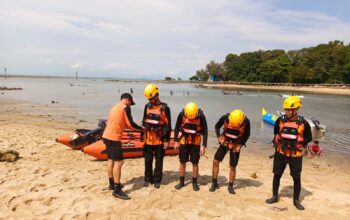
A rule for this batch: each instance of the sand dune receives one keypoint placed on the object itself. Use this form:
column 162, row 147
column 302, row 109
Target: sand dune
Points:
column 50, row 181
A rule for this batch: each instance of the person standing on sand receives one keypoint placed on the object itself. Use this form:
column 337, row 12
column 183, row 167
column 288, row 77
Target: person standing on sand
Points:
column 292, row 134
column 190, row 125
column 235, row 135
column 119, row 118
column 157, row 122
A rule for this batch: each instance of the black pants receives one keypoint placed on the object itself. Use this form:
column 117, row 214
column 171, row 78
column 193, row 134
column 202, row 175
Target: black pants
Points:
column 279, row 164
column 158, row 152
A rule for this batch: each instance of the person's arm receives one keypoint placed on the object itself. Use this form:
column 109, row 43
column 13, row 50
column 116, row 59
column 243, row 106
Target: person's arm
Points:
column 219, row 124
column 177, row 127
column 246, row 133
column 167, row 114
column 307, row 133
column 276, row 129
column 129, row 121
column 144, row 115
column 204, row 126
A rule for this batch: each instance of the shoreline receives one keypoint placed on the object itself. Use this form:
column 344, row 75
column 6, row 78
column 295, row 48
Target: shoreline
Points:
column 336, row 89
column 312, row 90
column 52, row 181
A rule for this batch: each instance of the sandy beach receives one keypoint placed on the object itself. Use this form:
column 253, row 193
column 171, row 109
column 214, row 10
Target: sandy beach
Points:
column 283, row 89
column 51, row 181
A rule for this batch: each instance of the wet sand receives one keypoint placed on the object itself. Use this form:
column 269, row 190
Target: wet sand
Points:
column 283, row 89
column 51, row 181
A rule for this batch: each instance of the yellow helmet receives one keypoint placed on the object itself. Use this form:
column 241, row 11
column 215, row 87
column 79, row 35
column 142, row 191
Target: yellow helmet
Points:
column 151, row 90
column 191, row 110
column 292, row 102
column 236, row 118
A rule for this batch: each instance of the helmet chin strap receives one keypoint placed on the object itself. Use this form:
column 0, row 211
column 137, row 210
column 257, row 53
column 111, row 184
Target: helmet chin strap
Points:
column 294, row 113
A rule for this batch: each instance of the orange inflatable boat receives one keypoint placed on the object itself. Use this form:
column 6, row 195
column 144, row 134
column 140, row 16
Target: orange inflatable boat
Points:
column 79, row 138
column 89, row 141
column 83, row 137
column 132, row 148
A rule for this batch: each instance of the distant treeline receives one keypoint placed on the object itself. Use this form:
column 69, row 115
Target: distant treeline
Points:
column 325, row 63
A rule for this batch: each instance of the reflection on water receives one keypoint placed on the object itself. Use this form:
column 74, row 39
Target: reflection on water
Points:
column 94, row 98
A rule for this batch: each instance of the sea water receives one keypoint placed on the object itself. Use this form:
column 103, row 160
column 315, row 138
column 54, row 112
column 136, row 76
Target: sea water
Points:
column 91, row 99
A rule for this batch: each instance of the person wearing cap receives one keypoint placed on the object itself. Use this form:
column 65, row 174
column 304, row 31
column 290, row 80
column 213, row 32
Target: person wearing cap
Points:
column 292, row 134
column 157, row 123
column 235, row 134
column 191, row 124
column 119, row 118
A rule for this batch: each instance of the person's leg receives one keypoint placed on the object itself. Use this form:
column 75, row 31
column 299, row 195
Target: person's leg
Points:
column 234, row 157
column 118, row 160
column 295, row 165
column 182, row 171
column 183, row 156
column 279, row 164
column 194, row 158
column 148, row 155
column 158, row 170
column 117, row 169
column 110, row 174
column 109, row 164
column 219, row 156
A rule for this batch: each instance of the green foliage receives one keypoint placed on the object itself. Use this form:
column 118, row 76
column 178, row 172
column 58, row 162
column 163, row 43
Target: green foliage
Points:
column 194, row 78
column 211, row 69
column 168, row 78
column 325, row 63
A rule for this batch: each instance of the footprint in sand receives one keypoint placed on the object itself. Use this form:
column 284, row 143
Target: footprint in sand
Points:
column 46, row 201
column 37, row 187
column 88, row 187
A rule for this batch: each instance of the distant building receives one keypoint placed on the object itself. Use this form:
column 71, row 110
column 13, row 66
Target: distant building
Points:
column 213, row 78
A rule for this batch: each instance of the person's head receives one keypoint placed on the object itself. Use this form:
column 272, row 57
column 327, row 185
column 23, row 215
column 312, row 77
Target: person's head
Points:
column 127, row 99
column 291, row 106
column 152, row 93
column 191, row 110
column 236, row 118
column 316, row 142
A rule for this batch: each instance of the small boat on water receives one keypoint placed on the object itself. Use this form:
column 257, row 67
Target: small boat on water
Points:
column 231, row 92
column 314, row 123
column 286, row 96
column 268, row 117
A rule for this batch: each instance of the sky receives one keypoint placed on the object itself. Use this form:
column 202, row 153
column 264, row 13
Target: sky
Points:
column 151, row 39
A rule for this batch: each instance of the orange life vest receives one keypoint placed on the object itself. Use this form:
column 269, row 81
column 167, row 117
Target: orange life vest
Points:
column 232, row 135
column 155, row 123
column 290, row 139
column 190, row 130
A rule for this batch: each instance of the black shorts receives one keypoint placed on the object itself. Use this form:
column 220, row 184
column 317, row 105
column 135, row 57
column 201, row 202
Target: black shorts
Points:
column 114, row 150
column 295, row 164
column 189, row 152
column 221, row 152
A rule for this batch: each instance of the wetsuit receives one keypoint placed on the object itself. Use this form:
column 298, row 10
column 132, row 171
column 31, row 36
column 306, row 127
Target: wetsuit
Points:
column 222, row 150
column 154, row 140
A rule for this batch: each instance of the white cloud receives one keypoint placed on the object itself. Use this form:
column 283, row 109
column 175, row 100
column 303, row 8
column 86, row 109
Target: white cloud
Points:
column 152, row 37
column 191, row 45
column 77, row 65
column 113, row 66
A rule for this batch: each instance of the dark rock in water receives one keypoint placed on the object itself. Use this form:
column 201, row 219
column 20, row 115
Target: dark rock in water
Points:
column 9, row 88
